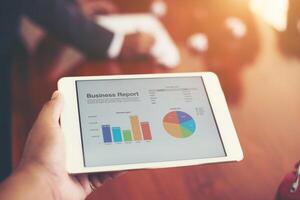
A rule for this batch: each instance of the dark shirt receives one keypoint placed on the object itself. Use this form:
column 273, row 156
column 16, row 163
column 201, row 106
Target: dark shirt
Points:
column 5, row 116
column 9, row 19
column 63, row 19
column 60, row 18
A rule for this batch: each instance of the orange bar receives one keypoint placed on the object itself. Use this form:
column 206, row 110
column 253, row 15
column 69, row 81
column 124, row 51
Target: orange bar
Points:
column 135, row 125
column 146, row 130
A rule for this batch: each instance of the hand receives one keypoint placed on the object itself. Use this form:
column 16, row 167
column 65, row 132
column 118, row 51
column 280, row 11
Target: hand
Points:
column 44, row 154
column 137, row 45
column 92, row 8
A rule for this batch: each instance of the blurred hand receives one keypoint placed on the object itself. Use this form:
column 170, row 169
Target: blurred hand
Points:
column 92, row 8
column 137, row 45
column 44, row 154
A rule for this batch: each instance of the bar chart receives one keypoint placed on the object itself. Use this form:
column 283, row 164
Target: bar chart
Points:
column 140, row 131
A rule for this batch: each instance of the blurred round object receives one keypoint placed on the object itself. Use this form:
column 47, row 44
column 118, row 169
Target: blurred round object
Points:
column 236, row 26
column 273, row 12
column 198, row 42
column 159, row 8
column 298, row 26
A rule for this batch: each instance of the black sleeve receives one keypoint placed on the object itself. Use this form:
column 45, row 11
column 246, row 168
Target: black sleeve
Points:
column 9, row 23
column 5, row 118
column 64, row 20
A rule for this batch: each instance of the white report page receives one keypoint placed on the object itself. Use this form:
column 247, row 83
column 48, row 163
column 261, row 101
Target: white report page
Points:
column 127, row 121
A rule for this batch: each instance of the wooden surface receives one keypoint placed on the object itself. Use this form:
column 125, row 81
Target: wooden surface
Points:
column 264, row 101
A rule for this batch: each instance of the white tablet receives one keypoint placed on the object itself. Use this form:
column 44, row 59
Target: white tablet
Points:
column 146, row 121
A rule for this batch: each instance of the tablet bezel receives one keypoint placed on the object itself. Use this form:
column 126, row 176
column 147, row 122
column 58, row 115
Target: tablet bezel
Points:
column 70, row 124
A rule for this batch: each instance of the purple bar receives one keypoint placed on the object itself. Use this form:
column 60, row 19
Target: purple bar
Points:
column 106, row 133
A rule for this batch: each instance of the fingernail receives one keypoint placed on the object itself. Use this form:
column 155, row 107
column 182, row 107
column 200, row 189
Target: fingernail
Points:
column 55, row 94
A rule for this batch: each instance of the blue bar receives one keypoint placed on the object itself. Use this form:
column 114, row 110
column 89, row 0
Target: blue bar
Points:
column 106, row 133
column 117, row 134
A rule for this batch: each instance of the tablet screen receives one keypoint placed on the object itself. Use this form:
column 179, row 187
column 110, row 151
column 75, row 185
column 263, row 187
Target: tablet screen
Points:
column 126, row 121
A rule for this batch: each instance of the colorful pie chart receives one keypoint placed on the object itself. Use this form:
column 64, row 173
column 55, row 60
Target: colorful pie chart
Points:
column 179, row 124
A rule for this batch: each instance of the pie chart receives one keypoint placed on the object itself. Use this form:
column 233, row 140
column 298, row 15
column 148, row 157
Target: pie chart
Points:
column 179, row 124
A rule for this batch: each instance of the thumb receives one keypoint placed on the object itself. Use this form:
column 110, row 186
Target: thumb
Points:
column 51, row 111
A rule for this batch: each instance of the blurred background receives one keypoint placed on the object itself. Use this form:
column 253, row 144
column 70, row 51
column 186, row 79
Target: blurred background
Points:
column 254, row 48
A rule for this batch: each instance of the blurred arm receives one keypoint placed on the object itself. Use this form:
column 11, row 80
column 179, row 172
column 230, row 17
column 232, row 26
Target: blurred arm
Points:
column 64, row 20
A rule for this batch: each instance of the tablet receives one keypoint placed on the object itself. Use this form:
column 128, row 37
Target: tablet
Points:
column 127, row 122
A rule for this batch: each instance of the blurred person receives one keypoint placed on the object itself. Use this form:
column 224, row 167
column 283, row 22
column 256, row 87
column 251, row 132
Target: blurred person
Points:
column 41, row 173
column 66, row 21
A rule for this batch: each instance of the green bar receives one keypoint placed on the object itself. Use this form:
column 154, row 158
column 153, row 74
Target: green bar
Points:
column 127, row 135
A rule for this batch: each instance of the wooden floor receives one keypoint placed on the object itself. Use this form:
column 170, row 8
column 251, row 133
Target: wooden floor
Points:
column 264, row 101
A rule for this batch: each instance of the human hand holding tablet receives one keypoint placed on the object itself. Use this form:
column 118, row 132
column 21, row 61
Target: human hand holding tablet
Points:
column 146, row 121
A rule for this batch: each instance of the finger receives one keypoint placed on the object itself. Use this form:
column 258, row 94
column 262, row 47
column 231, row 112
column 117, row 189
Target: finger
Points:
column 52, row 109
column 104, row 177
column 84, row 182
column 117, row 174
column 95, row 181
